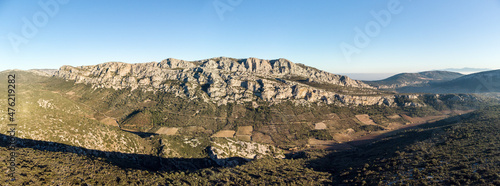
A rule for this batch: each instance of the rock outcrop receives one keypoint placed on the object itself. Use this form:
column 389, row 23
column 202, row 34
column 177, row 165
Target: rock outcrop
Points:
column 227, row 152
column 222, row 80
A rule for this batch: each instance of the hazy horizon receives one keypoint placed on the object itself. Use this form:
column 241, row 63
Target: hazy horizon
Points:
column 356, row 76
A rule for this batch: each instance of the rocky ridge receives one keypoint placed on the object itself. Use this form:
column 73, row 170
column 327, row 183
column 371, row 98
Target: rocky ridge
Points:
column 223, row 150
column 227, row 80
column 43, row 72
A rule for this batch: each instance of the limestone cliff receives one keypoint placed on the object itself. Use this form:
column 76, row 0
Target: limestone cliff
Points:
column 223, row 150
column 222, row 80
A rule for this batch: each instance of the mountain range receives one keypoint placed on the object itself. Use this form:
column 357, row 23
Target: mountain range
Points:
column 230, row 121
column 441, row 82
column 466, row 70
column 414, row 79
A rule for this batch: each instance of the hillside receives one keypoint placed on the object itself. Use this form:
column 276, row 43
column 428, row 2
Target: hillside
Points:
column 149, row 132
column 414, row 79
column 134, row 120
column 459, row 150
column 462, row 150
column 40, row 110
column 481, row 82
column 288, row 123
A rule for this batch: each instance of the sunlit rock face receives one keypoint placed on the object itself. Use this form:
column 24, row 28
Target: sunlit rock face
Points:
column 227, row 80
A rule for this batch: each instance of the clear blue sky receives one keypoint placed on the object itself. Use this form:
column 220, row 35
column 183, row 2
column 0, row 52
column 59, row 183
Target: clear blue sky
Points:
column 423, row 35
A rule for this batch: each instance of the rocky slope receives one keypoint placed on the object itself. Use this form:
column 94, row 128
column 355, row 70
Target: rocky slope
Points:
column 224, row 150
column 49, row 116
column 222, row 80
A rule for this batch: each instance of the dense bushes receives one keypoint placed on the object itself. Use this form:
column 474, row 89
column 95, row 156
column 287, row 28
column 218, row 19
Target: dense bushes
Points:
column 457, row 151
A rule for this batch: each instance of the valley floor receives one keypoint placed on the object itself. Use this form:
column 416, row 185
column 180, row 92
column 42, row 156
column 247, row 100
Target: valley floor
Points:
column 463, row 149
column 369, row 137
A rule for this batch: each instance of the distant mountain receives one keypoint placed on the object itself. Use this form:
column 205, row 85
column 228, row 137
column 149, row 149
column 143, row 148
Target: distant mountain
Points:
column 466, row 70
column 481, row 82
column 368, row 76
column 414, row 79
column 44, row 72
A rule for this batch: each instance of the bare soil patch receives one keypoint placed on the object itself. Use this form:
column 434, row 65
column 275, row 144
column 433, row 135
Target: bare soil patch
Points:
column 365, row 119
column 167, row 130
column 245, row 130
column 319, row 126
column 244, row 133
column 244, row 137
column 224, row 134
column 314, row 141
column 262, row 138
column 395, row 116
column 110, row 121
